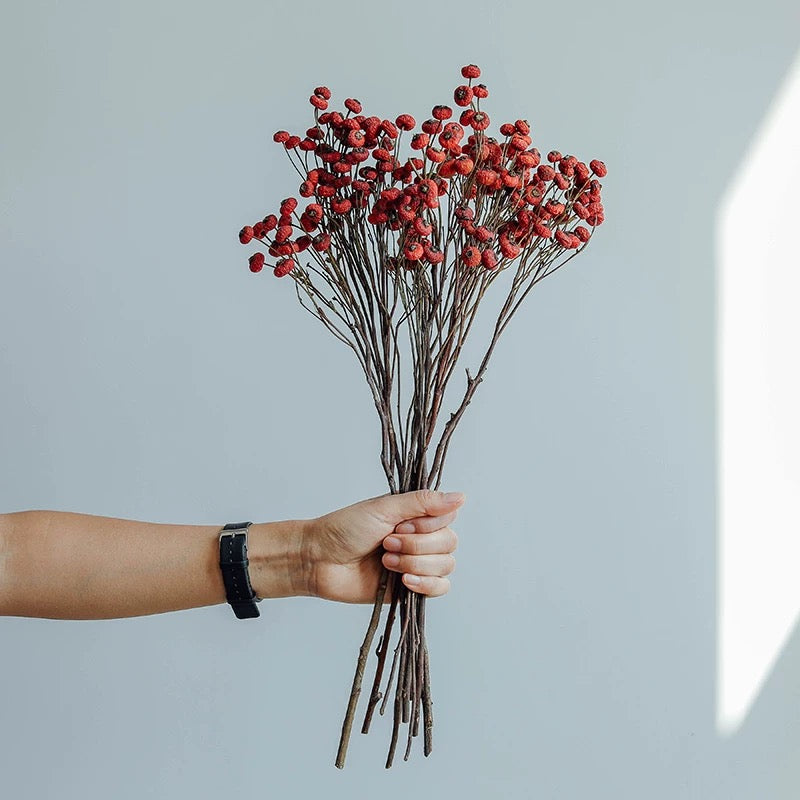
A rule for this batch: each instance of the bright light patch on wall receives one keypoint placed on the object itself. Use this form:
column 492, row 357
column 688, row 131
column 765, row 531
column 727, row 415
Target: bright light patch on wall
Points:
column 758, row 361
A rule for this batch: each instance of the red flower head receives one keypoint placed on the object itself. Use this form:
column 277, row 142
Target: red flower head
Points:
column 318, row 102
column 471, row 71
column 479, row 121
column 323, row 92
column 246, row 234
column 256, row 262
column 321, row 242
column 599, row 168
column 471, row 256
column 413, row 251
column 283, row 267
column 406, row 122
column 280, row 136
column 442, row 112
column 582, row 233
column 462, row 95
column 351, row 104
column 480, row 91
column 489, row 259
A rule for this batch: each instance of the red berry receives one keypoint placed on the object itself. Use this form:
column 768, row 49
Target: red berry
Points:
column 321, row 242
column 283, row 267
column 582, row 233
column 442, row 112
column 246, row 234
column 280, row 136
column 256, row 262
column 318, row 102
column 288, row 205
column 270, row 223
column 471, row 71
column 462, row 95
column 545, row 173
column 489, row 259
column 405, row 122
column 480, row 91
column 419, row 141
column 599, row 168
column 479, row 121
column 351, row 104
column 471, row 256
column 323, row 91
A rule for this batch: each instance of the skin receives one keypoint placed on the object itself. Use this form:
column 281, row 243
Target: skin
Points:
column 63, row 565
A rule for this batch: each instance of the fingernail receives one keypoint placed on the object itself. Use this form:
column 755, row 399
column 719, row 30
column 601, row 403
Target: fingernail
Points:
column 391, row 543
column 391, row 560
column 405, row 527
column 453, row 497
column 412, row 579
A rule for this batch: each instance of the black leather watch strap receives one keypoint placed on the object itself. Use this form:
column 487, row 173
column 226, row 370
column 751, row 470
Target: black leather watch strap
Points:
column 233, row 562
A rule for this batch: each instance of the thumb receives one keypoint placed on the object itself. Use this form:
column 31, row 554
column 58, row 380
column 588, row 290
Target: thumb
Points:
column 420, row 503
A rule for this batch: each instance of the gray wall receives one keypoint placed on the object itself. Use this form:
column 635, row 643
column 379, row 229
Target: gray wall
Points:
column 574, row 656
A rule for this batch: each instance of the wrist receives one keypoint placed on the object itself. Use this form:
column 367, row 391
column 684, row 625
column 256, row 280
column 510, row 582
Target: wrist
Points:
column 279, row 562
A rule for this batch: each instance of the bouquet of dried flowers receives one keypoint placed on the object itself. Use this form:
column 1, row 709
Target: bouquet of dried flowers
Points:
column 393, row 254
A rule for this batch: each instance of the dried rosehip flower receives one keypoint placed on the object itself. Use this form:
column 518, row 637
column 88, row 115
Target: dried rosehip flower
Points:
column 483, row 234
column 462, row 95
column 288, row 205
column 246, row 234
column 419, row 141
column 341, row 205
column 280, row 136
column 432, row 126
column 283, row 233
column 321, row 242
column 553, row 156
column 283, row 267
column 405, row 122
column 480, row 91
column 303, row 243
column 323, row 91
column 471, row 71
column 582, row 233
column 258, row 230
column 489, row 259
column 598, row 167
column 471, row 256
column 291, row 142
column 545, row 173
column 421, row 227
column 522, row 126
column 435, row 155
column 270, row 222
column 561, row 181
column 318, row 102
column 351, row 104
column 464, row 165
column 466, row 116
column 480, row 121
column 413, row 251
column 563, row 238
column 256, row 262
column 442, row 112
column 389, row 128
column 542, row 230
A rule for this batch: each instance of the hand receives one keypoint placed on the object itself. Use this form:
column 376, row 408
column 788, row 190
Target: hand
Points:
column 346, row 547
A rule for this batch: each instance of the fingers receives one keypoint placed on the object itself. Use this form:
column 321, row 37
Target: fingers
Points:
column 437, row 565
column 431, row 587
column 420, row 503
column 426, row 524
column 443, row 540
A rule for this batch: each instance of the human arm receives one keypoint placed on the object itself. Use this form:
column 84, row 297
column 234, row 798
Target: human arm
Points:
column 64, row 565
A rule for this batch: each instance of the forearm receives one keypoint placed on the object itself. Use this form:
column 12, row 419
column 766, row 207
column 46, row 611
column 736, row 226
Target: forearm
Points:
column 63, row 565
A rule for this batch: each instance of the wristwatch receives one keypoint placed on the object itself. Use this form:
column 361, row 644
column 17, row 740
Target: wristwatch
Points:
column 233, row 562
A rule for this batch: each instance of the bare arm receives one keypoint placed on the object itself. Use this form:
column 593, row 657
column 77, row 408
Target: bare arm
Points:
column 63, row 565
